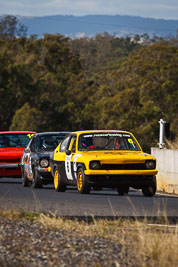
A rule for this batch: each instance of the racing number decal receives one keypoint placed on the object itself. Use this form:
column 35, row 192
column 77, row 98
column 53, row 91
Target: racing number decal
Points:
column 30, row 165
column 30, row 135
column 68, row 167
column 26, row 160
column 131, row 142
column 27, row 164
column 75, row 164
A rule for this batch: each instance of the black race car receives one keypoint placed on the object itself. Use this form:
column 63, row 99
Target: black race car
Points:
column 36, row 157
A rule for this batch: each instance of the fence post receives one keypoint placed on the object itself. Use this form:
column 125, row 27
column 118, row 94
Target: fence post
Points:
column 161, row 133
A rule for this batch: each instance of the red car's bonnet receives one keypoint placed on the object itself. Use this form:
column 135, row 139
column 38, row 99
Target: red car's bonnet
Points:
column 11, row 152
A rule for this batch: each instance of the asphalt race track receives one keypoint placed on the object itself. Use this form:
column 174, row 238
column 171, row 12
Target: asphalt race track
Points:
column 104, row 203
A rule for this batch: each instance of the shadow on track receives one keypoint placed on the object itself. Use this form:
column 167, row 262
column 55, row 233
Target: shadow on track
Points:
column 10, row 181
column 135, row 194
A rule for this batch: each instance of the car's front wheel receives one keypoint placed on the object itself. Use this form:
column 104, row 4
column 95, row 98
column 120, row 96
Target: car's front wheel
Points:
column 123, row 190
column 36, row 181
column 58, row 184
column 82, row 183
column 150, row 190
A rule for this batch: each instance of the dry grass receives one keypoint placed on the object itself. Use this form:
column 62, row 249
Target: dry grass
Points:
column 144, row 244
column 15, row 215
column 172, row 144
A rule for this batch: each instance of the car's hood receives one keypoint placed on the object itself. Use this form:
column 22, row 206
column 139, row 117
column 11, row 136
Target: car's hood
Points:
column 11, row 152
column 107, row 157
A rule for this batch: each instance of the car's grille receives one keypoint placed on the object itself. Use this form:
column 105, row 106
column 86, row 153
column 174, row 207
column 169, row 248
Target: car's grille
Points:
column 9, row 161
column 138, row 166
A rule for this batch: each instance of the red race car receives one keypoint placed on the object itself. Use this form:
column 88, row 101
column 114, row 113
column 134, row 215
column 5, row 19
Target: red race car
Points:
column 12, row 144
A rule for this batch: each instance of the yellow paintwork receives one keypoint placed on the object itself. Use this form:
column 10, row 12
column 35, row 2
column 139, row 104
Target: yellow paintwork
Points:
column 59, row 155
column 107, row 157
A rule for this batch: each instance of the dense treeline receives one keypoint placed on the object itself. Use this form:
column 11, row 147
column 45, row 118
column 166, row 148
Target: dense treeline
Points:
column 104, row 82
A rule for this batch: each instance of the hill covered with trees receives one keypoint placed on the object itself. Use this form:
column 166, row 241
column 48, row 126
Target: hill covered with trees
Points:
column 105, row 82
column 90, row 25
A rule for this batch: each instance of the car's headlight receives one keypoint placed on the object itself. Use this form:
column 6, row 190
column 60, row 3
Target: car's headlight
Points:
column 95, row 165
column 44, row 163
column 150, row 164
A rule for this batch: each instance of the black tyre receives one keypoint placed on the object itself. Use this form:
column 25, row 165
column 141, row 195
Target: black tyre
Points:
column 150, row 190
column 58, row 184
column 25, row 181
column 123, row 190
column 82, row 183
column 36, row 181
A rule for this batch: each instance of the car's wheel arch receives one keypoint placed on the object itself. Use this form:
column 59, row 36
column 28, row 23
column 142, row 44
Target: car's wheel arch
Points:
column 82, row 181
column 54, row 169
column 33, row 167
column 81, row 165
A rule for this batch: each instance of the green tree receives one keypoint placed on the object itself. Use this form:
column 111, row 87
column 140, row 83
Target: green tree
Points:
column 11, row 28
column 103, row 51
column 16, row 83
column 26, row 118
column 144, row 89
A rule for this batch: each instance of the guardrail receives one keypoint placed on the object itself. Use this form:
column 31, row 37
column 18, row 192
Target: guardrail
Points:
column 167, row 166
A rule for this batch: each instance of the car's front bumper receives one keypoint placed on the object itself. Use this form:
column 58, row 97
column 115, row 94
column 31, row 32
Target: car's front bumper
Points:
column 45, row 174
column 121, row 172
column 10, row 170
column 115, row 178
column 136, row 181
column 42, row 170
column 9, row 166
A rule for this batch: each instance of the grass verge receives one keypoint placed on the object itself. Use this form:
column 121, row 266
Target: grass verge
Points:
column 143, row 244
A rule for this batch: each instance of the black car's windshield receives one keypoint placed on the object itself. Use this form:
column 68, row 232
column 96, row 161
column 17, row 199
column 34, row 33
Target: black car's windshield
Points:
column 15, row 139
column 107, row 141
column 48, row 142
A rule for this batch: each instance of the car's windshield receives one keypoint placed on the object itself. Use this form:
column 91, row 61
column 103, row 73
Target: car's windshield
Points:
column 107, row 141
column 48, row 142
column 15, row 139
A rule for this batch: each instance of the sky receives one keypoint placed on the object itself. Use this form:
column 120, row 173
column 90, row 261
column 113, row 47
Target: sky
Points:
column 164, row 9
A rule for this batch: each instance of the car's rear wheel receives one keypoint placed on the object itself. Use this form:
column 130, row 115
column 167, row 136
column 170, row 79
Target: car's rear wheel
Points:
column 82, row 183
column 123, row 190
column 25, row 181
column 58, row 184
column 150, row 190
column 36, row 181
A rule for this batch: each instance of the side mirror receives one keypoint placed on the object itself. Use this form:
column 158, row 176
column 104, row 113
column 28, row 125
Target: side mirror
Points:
column 68, row 152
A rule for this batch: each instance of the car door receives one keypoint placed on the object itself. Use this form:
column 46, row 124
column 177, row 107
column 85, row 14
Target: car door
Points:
column 69, row 160
column 63, row 159
column 59, row 157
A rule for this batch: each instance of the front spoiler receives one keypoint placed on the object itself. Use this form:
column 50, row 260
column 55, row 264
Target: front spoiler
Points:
column 121, row 172
column 45, row 174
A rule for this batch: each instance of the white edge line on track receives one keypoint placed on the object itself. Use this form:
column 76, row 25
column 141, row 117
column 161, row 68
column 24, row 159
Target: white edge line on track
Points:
column 166, row 194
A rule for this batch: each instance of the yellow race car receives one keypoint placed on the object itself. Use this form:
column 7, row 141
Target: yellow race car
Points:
column 103, row 159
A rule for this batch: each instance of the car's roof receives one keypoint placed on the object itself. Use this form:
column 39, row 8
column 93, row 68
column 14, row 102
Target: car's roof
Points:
column 16, row 132
column 99, row 131
column 51, row 133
